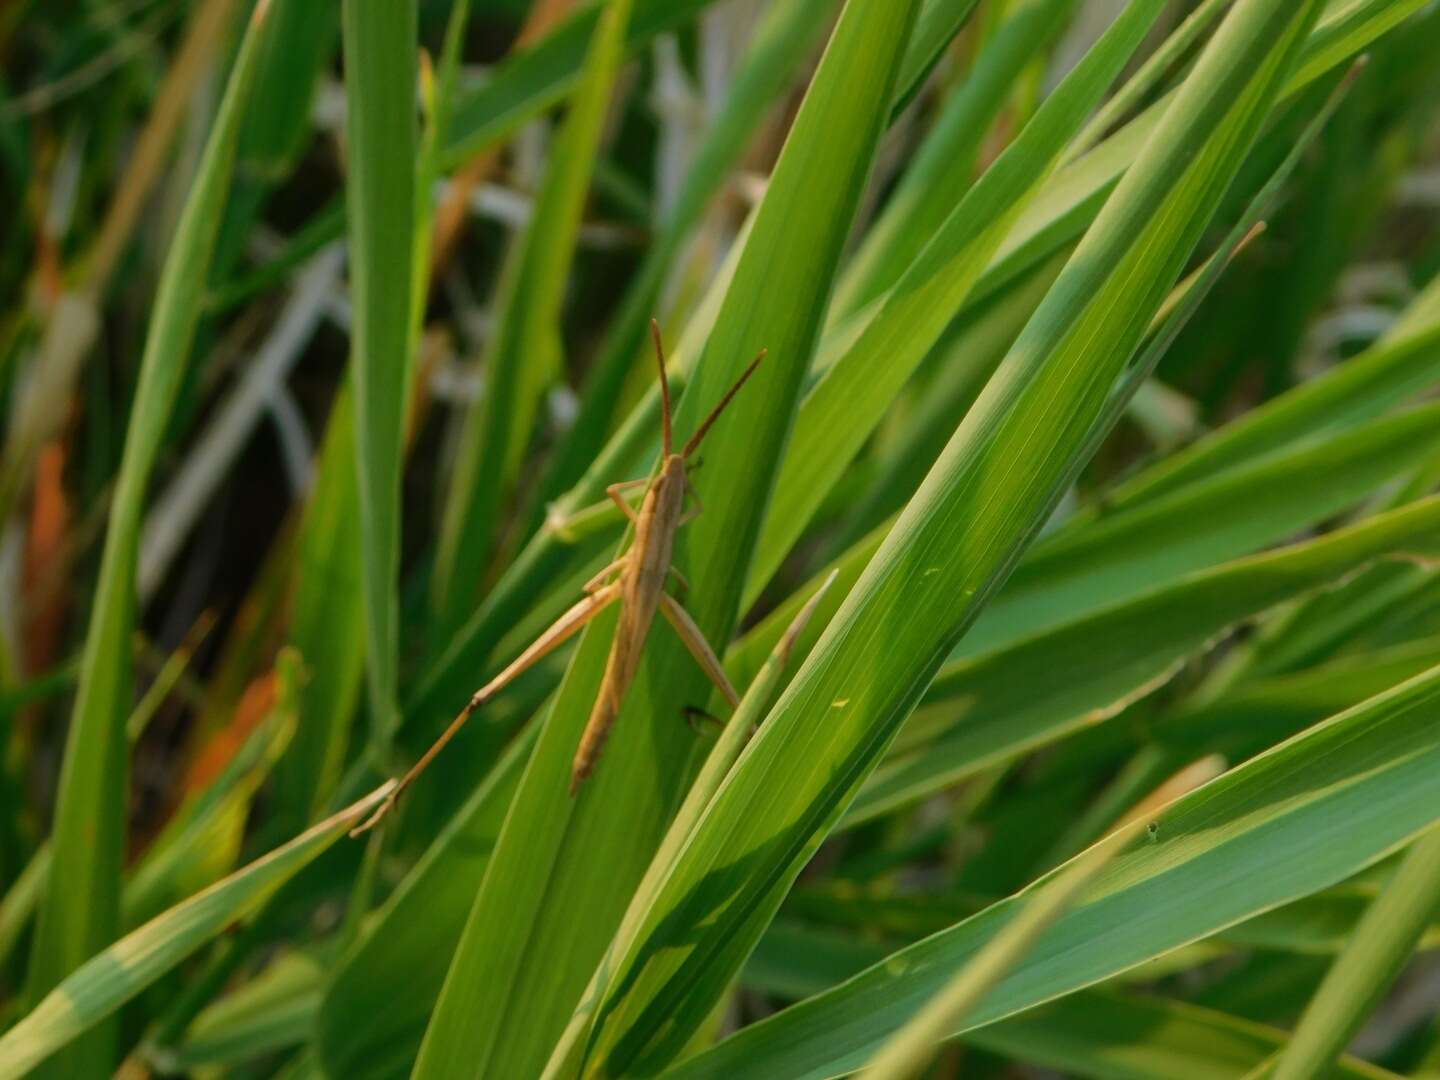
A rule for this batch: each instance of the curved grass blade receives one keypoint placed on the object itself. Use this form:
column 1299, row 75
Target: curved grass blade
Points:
column 564, row 870
column 1308, row 813
column 380, row 80
column 907, row 1051
column 997, row 481
column 1006, row 615
column 81, row 909
column 107, row 981
column 1068, row 203
column 1100, row 1033
column 1400, row 366
column 1110, row 1037
column 1166, row 324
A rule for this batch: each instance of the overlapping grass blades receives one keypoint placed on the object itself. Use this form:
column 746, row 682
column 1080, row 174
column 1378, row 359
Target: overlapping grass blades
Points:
column 841, row 410
column 81, row 908
column 563, row 869
column 117, row 974
column 985, row 498
column 993, row 707
column 1313, row 810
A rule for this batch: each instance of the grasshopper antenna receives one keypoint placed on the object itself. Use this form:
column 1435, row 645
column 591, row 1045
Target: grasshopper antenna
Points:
column 694, row 443
column 664, row 388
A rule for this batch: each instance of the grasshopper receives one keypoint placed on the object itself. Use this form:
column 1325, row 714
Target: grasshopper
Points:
column 637, row 580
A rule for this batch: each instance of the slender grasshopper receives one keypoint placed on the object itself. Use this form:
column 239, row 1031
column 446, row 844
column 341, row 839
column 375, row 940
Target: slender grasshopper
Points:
column 637, row 580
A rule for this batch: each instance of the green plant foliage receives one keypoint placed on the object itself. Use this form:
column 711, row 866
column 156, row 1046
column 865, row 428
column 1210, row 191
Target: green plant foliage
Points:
column 1074, row 550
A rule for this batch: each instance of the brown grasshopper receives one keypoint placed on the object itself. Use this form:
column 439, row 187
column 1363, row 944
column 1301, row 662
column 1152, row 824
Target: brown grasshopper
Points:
column 637, row 579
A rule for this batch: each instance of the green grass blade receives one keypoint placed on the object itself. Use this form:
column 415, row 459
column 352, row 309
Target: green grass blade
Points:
column 1262, row 501
column 951, row 547
column 1068, row 203
column 558, row 886
column 1045, row 687
column 327, row 626
column 1151, row 74
column 380, row 79
column 100, row 986
column 1004, row 614
column 81, row 909
column 1100, row 1033
column 1319, row 925
column 962, row 363
column 519, row 90
column 1110, row 1037
column 1311, row 812
column 524, row 358
column 1395, row 369
column 539, row 77
column 1257, row 715
column 1381, row 945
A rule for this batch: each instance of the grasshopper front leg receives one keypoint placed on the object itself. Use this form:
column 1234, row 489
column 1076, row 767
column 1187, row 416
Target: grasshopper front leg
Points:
column 614, row 491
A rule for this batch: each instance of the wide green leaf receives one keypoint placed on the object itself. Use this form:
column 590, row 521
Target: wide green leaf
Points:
column 364, row 1029
column 1100, row 1033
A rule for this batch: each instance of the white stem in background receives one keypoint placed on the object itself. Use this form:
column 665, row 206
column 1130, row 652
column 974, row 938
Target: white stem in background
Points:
column 297, row 449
